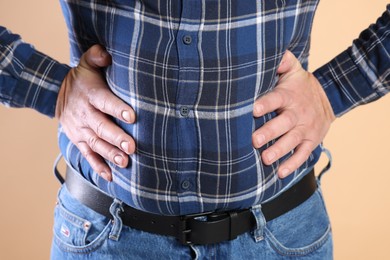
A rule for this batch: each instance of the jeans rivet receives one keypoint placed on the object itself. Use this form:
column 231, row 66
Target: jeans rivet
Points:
column 87, row 225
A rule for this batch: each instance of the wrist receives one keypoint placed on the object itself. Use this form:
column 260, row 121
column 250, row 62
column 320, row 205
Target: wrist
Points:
column 61, row 98
column 328, row 110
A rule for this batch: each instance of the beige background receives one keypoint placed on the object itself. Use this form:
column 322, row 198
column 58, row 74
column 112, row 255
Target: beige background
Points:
column 356, row 189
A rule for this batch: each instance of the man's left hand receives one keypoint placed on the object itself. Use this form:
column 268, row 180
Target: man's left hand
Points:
column 304, row 116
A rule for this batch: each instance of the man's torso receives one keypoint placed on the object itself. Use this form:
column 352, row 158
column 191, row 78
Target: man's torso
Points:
column 191, row 70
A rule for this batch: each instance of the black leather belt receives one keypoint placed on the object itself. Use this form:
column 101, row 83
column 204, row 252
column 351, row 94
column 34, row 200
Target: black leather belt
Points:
column 214, row 227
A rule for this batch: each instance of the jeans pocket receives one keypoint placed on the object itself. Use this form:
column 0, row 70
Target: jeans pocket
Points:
column 302, row 230
column 77, row 228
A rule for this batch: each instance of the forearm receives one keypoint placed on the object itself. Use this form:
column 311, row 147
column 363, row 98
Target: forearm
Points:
column 361, row 73
column 28, row 78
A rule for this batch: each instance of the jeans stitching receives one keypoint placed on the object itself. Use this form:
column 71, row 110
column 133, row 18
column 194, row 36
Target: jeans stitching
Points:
column 283, row 250
column 278, row 247
column 92, row 246
column 78, row 222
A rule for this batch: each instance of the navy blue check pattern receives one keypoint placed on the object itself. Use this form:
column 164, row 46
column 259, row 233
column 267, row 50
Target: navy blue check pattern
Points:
column 28, row 78
column 360, row 74
column 191, row 70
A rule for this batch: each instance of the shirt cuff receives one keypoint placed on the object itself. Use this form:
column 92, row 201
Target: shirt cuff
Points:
column 40, row 82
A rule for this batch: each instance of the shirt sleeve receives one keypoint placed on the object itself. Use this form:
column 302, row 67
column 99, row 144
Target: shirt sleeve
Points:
column 360, row 74
column 28, row 78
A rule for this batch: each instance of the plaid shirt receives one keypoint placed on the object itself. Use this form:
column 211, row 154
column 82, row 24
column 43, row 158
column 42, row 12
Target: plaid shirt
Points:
column 361, row 74
column 191, row 70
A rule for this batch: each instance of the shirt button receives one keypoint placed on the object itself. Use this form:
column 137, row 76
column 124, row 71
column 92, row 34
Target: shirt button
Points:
column 185, row 184
column 184, row 111
column 187, row 39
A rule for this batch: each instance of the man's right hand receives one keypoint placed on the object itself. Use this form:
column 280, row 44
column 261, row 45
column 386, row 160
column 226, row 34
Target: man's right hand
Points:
column 83, row 105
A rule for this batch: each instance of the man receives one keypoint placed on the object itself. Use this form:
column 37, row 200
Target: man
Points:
column 191, row 73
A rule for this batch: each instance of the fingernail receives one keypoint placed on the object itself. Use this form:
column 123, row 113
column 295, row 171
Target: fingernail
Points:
column 105, row 176
column 125, row 146
column 259, row 109
column 260, row 140
column 284, row 172
column 270, row 156
column 126, row 115
column 118, row 159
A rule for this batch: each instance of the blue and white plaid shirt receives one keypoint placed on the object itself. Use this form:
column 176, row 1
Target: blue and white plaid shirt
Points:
column 192, row 70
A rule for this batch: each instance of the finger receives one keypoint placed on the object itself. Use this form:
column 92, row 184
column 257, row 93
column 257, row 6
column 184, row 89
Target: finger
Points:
column 107, row 130
column 95, row 57
column 284, row 145
column 270, row 102
column 104, row 100
column 301, row 154
column 95, row 160
column 106, row 150
column 274, row 128
column 288, row 63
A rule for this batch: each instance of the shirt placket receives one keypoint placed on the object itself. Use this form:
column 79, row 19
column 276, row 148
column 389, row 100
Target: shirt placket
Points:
column 187, row 93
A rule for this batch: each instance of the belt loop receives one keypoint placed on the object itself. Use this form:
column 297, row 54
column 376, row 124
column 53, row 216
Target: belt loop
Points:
column 195, row 251
column 56, row 171
column 116, row 209
column 234, row 223
column 258, row 233
column 329, row 164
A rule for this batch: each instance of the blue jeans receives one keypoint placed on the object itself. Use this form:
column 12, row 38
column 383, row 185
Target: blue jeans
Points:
column 80, row 233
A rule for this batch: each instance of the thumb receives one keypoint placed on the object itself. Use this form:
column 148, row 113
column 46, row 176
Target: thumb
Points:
column 288, row 63
column 95, row 57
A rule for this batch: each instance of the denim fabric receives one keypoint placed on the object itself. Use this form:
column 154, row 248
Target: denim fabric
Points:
column 80, row 233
